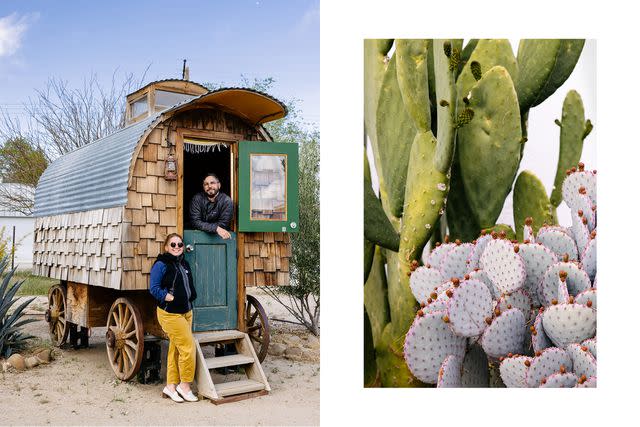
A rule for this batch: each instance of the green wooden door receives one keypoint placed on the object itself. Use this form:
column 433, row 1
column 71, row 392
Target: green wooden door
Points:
column 214, row 264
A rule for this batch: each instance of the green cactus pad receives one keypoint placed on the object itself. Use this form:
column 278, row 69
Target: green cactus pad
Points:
column 513, row 371
column 489, row 146
column 544, row 65
column 583, row 361
column 571, row 188
column 427, row 344
column 445, row 90
column 560, row 243
column 505, row 335
column 539, row 340
column 548, row 363
column 369, row 354
column 504, row 267
column 572, row 131
column 424, row 197
column 395, row 135
column 450, row 373
column 454, row 263
column 487, row 53
column 423, row 281
column 537, row 260
column 375, row 296
column 509, row 233
column 377, row 228
column 558, row 380
column 466, row 53
column 462, row 224
column 369, row 250
column 411, row 57
column 519, row 299
column 586, row 296
column 375, row 66
column 475, row 368
column 577, row 281
column 392, row 368
column 566, row 324
column 468, row 308
column 530, row 200
column 591, row 346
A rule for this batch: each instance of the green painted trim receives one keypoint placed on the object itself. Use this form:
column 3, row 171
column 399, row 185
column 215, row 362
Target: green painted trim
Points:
column 246, row 149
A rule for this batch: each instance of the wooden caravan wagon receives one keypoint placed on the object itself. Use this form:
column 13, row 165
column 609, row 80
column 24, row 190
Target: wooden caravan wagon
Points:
column 104, row 210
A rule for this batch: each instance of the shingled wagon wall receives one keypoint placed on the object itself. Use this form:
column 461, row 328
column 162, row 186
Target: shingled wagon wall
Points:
column 153, row 208
column 82, row 247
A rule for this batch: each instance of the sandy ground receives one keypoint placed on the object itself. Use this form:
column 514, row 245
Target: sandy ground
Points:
column 79, row 387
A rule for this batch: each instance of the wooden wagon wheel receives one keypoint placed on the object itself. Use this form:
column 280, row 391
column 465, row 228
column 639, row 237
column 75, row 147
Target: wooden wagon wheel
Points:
column 56, row 315
column 257, row 324
column 125, row 339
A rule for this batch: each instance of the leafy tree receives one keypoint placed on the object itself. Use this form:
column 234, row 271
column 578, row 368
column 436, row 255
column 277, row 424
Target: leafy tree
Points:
column 21, row 165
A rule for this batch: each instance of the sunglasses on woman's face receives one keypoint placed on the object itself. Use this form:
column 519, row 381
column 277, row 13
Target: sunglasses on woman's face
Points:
column 174, row 244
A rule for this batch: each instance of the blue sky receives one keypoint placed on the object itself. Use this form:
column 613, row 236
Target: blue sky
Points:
column 220, row 40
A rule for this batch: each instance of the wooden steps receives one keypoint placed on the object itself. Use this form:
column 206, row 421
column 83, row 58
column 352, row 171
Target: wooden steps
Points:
column 246, row 360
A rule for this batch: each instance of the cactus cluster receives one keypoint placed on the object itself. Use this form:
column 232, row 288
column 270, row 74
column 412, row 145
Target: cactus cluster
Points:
column 527, row 308
column 447, row 126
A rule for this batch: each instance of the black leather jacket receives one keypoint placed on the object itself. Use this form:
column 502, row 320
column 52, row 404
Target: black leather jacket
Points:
column 207, row 216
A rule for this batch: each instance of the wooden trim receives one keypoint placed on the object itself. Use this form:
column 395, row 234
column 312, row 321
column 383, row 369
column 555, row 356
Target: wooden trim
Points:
column 179, row 155
column 239, row 397
column 209, row 134
column 242, row 290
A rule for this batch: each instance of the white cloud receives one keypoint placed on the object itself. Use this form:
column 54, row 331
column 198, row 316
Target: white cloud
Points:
column 12, row 28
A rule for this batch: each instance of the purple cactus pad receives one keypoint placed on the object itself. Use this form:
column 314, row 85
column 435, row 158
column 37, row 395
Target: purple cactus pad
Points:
column 450, row 373
column 589, row 258
column 454, row 263
column 504, row 267
column 549, row 362
column 519, row 299
column 583, row 361
column 572, row 184
column 434, row 257
column 591, row 346
column 586, row 296
column 513, row 371
column 566, row 324
column 475, row 368
column 589, row 383
column 422, row 282
column 577, row 281
column 468, row 308
column 427, row 343
column 474, row 258
column 539, row 340
column 505, row 335
column 537, row 260
column 560, row 243
column 558, row 380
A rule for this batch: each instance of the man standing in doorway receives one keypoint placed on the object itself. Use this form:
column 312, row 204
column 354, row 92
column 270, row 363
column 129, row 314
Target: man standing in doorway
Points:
column 211, row 210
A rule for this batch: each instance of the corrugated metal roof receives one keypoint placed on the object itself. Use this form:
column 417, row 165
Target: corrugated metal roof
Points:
column 96, row 175
column 92, row 176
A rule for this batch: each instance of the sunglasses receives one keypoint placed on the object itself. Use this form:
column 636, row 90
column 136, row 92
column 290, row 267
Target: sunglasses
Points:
column 174, row 244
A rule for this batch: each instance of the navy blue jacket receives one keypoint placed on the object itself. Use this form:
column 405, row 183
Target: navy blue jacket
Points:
column 171, row 274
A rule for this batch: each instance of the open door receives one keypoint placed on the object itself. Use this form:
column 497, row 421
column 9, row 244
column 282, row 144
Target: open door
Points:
column 268, row 186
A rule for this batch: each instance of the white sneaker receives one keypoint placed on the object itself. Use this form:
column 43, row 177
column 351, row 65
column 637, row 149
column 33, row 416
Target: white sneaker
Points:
column 173, row 395
column 187, row 396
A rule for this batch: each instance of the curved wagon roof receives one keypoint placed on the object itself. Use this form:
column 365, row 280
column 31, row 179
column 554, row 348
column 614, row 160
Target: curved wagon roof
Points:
column 96, row 175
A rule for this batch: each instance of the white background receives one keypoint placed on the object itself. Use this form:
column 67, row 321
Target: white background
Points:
column 344, row 25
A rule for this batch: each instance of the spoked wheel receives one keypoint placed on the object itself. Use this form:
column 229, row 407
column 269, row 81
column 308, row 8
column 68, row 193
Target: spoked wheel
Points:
column 56, row 315
column 125, row 339
column 257, row 326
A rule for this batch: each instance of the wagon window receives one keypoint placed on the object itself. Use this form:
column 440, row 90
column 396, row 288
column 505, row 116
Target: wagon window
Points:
column 268, row 187
column 166, row 99
column 139, row 107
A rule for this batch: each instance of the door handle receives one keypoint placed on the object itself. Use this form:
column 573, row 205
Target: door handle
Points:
column 189, row 248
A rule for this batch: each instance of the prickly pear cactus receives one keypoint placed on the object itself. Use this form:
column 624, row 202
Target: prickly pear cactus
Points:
column 447, row 127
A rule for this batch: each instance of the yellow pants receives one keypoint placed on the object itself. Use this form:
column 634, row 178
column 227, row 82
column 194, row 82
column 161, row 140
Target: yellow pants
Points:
column 181, row 359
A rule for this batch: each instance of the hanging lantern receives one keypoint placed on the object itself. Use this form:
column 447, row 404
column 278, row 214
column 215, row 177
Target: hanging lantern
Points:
column 170, row 167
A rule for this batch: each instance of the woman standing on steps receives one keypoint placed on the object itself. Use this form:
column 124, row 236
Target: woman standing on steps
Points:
column 171, row 284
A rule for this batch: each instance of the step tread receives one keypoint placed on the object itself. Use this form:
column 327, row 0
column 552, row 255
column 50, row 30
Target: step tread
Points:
column 231, row 360
column 216, row 336
column 238, row 387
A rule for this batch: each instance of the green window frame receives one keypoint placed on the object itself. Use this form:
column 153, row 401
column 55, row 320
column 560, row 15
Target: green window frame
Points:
column 268, row 186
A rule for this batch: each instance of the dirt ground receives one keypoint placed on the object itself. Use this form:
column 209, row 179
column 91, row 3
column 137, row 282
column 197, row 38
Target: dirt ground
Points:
column 79, row 387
